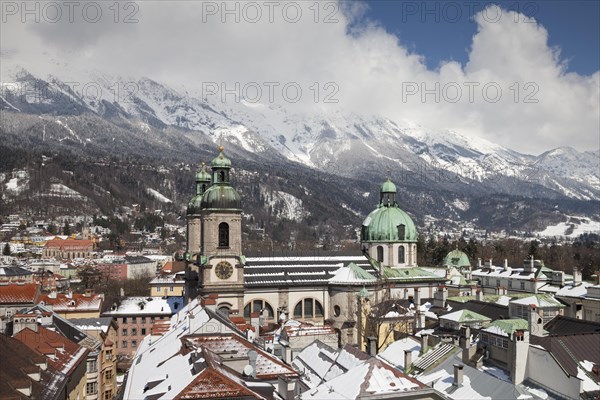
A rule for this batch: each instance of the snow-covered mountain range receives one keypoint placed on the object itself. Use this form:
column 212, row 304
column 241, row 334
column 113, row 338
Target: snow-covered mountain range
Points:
column 363, row 147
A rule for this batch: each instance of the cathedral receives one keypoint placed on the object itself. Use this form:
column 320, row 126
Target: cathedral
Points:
column 310, row 289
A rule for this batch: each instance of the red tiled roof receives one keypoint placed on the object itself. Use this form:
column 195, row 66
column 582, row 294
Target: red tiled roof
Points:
column 267, row 365
column 16, row 293
column 63, row 354
column 17, row 361
column 69, row 244
column 216, row 381
column 77, row 302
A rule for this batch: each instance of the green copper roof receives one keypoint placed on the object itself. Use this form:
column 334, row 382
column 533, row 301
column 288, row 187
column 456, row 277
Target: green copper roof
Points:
column 384, row 225
column 508, row 326
column 195, row 205
column 464, row 316
column 457, row 258
column 410, row 274
column 202, row 175
column 221, row 197
column 221, row 161
column 388, row 187
column 363, row 292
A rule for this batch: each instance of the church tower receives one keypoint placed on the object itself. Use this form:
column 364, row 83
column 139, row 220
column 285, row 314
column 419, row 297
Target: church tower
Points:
column 194, row 238
column 388, row 234
column 218, row 267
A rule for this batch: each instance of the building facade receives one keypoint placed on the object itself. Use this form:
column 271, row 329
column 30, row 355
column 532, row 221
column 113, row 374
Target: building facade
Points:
column 309, row 289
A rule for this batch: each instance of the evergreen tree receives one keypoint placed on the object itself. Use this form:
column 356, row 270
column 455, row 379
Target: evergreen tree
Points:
column 66, row 229
column 6, row 250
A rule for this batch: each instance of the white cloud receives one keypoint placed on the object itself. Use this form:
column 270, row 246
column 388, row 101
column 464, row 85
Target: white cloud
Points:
column 178, row 45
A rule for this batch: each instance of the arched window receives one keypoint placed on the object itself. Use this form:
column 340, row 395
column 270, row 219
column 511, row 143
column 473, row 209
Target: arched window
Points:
column 401, row 255
column 308, row 308
column 363, row 232
column 401, row 232
column 203, row 187
column 257, row 306
column 223, row 234
column 380, row 253
column 222, row 176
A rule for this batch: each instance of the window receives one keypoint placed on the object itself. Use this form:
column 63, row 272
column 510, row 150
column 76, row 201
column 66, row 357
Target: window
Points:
column 337, row 310
column 152, row 319
column 401, row 255
column 92, row 366
column 108, row 354
column 380, row 253
column 108, row 395
column 509, row 284
column 223, row 234
column 9, row 313
column 108, row 374
column 158, row 288
column 522, row 285
column 133, row 320
column 124, row 320
column 133, row 331
column 257, row 307
column 134, row 343
column 401, row 232
column 144, row 331
column 308, row 308
column 124, row 332
column 124, row 344
column 497, row 282
column 91, row 388
column 171, row 288
column 222, row 176
column 143, row 320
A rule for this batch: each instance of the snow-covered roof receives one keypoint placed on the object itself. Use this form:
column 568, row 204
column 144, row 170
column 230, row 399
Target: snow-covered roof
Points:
column 506, row 327
column 539, row 300
column 147, row 306
column 477, row 384
column 370, row 378
column 352, row 274
column 464, row 316
column 394, row 353
column 571, row 290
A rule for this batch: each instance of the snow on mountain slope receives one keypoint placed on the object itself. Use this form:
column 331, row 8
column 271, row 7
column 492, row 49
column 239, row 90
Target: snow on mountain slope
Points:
column 341, row 143
column 572, row 228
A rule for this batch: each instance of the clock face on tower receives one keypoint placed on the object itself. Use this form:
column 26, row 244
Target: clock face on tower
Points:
column 224, row 270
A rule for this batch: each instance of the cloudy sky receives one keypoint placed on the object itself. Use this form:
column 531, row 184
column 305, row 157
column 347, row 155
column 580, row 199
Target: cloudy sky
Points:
column 527, row 79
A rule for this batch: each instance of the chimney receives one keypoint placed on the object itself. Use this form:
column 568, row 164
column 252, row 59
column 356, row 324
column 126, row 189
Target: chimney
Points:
column 70, row 294
column 407, row 359
column 417, row 298
column 465, row 337
column 424, row 346
column 419, row 320
column 252, row 355
column 372, row 346
column 255, row 321
column 478, row 262
column 518, row 347
column 489, row 263
column 576, row 276
column 479, row 295
column 558, row 278
column 458, row 375
column 440, row 297
column 287, row 353
column 287, row 386
column 52, row 294
column 506, row 264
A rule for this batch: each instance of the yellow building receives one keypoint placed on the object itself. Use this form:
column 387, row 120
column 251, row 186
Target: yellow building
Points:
column 168, row 285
